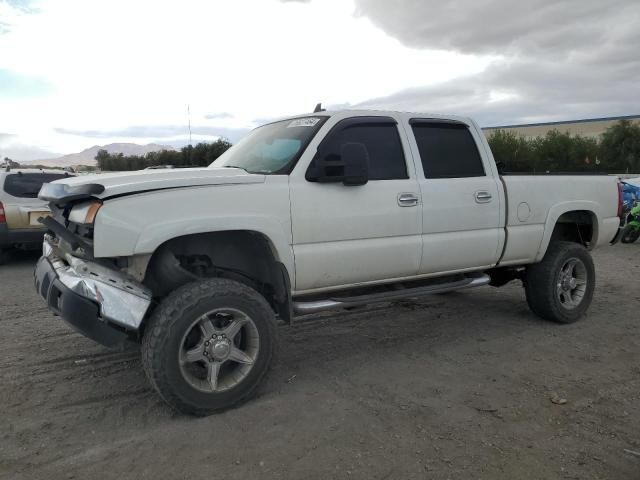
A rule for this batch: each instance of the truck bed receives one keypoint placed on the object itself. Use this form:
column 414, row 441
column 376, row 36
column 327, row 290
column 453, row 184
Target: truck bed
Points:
column 534, row 202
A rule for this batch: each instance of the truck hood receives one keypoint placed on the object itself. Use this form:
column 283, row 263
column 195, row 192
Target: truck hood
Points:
column 122, row 183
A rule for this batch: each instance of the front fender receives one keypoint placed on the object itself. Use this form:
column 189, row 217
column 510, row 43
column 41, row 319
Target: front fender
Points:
column 139, row 224
column 152, row 236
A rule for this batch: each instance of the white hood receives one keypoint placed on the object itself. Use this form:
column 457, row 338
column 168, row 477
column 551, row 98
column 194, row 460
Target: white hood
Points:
column 142, row 180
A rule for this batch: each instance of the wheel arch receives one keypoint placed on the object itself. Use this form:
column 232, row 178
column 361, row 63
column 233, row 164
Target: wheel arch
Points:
column 572, row 221
column 247, row 256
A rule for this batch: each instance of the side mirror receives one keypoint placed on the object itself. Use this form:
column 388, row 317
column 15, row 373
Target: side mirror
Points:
column 356, row 163
column 351, row 167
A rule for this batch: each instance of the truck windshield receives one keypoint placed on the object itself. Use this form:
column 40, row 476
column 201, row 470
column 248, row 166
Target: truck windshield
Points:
column 271, row 149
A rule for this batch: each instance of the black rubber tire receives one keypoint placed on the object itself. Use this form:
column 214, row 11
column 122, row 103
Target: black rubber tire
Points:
column 629, row 234
column 4, row 256
column 174, row 316
column 541, row 279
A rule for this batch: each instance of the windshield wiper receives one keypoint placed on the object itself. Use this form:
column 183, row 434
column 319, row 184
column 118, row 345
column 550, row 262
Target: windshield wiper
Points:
column 235, row 166
column 257, row 172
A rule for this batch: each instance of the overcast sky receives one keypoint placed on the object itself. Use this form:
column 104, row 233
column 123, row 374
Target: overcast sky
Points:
column 74, row 74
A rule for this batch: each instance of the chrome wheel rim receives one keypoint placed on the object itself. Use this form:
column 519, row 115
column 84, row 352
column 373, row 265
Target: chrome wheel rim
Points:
column 571, row 285
column 218, row 350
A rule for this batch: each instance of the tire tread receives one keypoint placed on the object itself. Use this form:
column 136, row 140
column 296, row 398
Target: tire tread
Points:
column 161, row 324
column 540, row 283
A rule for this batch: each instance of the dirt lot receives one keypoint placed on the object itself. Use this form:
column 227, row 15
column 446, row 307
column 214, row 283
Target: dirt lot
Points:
column 454, row 386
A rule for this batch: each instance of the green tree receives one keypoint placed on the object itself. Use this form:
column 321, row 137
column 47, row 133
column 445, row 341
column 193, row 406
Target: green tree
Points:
column 562, row 152
column 620, row 147
column 201, row 155
column 10, row 163
column 555, row 152
column 103, row 159
column 512, row 151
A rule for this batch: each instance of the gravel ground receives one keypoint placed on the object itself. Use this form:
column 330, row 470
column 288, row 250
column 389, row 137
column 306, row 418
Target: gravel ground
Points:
column 452, row 386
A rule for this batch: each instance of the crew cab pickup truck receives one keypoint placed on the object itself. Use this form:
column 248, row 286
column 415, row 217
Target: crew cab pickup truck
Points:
column 321, row 211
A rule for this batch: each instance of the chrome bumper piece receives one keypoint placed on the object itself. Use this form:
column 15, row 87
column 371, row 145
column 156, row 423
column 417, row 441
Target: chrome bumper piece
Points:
column 122, row 301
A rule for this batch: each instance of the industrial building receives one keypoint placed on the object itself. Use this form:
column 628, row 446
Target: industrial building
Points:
column 588, row 127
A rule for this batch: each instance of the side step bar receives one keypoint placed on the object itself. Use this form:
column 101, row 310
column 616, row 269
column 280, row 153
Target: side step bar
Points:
column 305, row 308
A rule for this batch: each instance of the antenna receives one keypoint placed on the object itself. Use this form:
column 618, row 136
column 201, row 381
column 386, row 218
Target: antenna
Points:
column 318, row 108
column 190, row 146
column 189, row 120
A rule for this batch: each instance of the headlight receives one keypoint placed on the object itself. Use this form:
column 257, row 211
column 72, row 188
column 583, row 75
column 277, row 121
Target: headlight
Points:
column 85, row 212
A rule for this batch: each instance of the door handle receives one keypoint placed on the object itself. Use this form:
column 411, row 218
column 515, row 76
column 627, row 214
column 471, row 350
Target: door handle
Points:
column 408, row 199
column 483, row 196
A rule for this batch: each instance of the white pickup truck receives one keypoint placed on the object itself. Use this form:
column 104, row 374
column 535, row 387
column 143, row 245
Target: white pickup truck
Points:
column 316, row 212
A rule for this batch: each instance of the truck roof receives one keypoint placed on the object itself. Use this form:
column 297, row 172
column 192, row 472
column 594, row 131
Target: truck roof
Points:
column 365, row 112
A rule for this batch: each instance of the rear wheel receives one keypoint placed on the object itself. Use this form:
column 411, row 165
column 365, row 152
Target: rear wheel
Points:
column 209, row 345
column 560, row 287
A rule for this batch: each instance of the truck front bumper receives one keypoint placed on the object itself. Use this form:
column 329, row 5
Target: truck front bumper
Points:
column 102, row 304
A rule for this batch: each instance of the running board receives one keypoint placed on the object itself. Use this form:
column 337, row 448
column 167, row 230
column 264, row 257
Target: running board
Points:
column 305, row 308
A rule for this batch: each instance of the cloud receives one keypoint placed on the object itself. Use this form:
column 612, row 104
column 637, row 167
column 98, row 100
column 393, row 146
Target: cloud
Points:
column 524, row 91
column 14, row 85
column 501, row 61
column 220, row 115
column 259, row 65
column 560, row 60
column 4, row 137
column 159, row 132
column 496, row 26
column 12, row 147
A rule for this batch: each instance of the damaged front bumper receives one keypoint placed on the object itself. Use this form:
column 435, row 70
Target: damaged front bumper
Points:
column 103, row 304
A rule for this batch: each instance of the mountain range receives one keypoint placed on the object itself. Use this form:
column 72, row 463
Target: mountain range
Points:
column 87, row 156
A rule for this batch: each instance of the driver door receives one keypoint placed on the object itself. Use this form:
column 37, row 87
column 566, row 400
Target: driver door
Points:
column 346, row 235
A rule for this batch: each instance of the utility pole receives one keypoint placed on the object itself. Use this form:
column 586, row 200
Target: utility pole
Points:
column 189, row 122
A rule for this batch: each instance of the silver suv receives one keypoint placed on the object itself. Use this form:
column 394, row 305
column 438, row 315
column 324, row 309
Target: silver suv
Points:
column 20, row 207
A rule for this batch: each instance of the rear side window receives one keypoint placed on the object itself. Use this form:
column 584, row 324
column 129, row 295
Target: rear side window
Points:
column 382, row 141
column 447, row 150
column 27, row 185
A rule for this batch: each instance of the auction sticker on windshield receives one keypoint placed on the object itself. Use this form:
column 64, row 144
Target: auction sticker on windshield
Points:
column 303, row 122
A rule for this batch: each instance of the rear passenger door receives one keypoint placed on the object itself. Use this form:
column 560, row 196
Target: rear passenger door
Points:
column 461, row 226
column 345, row 235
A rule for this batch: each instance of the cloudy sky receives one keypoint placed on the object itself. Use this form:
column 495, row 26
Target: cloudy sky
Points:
column 79, row 73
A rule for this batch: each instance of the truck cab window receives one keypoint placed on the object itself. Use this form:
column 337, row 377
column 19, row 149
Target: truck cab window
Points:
column 447, row 150
column 382, row 141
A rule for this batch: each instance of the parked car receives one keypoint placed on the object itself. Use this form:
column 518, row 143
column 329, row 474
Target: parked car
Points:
column 20, row 208
column 317, row 212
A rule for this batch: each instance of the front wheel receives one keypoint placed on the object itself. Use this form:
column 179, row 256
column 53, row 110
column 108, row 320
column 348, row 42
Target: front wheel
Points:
column 560, row 287
column 208, row 345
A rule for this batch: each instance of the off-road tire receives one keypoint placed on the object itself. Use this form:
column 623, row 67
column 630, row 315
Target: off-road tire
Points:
column 629, row 234
column 173, row 317
column 541, row 280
